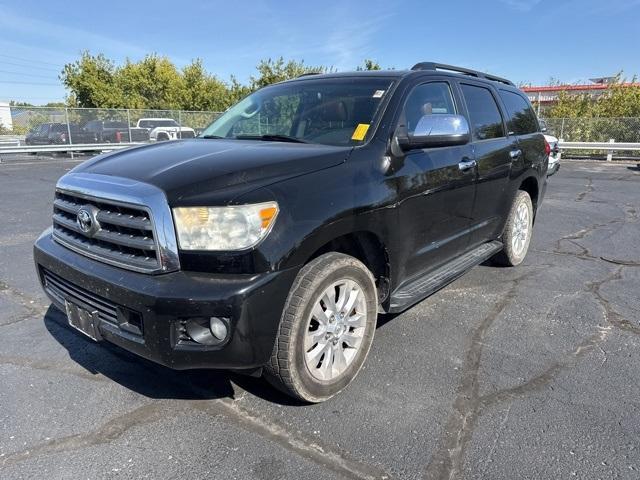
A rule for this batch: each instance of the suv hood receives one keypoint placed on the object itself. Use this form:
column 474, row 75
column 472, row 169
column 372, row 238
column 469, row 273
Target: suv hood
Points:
column 192, row 172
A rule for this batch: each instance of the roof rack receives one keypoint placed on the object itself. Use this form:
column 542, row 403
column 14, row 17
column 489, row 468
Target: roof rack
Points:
column 308, row 73
column 466, row 71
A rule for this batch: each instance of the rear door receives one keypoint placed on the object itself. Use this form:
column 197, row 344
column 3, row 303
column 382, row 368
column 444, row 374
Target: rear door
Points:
column 492, row 151
column 523, row 125
column 436, row 193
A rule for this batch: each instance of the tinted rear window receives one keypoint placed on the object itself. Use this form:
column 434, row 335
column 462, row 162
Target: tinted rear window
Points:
column 486, row 121
column 522, row 118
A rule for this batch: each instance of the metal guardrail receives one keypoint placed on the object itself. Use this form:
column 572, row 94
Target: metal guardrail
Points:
column 615, row 146
column 84, row 147
column 610, row 146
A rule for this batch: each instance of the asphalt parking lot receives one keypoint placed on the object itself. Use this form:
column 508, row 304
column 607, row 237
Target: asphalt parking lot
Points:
column 529, row 372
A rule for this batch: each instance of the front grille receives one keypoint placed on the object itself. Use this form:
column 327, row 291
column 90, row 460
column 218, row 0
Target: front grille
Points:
column 127, row 321
column 125, row 237
column 186, row 134
column 63, row 290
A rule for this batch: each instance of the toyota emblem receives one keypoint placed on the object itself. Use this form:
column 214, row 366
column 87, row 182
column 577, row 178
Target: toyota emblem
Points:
column 87, row 222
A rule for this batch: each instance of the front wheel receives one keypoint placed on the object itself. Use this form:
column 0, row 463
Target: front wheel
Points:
column 326, row 329
column 517, row 231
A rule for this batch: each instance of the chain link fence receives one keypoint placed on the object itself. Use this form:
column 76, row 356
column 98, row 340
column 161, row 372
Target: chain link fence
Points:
column 618, row 129
column 622, row 129
column 55, row 126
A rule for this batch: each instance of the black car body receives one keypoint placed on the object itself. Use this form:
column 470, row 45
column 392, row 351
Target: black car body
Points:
column 403, row 212
column 58, row 134
column 110, row 131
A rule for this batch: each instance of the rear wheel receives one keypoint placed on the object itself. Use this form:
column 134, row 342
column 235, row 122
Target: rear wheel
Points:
column 517, row 231
column 326, row 328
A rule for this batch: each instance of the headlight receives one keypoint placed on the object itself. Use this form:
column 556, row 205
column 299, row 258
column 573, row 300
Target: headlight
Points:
column 224, row 228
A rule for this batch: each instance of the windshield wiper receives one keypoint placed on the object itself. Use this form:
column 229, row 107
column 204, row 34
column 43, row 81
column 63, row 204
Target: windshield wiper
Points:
column 271, row 138
column 211, row 136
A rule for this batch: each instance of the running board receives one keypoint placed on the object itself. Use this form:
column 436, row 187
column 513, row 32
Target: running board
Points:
column 416, row 290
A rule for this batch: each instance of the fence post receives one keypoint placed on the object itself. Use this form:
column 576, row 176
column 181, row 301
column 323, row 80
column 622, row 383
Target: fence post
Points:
column 610, row 152
column 66, row 117
column 562, row 128
column 560, row 140
column 129, row 124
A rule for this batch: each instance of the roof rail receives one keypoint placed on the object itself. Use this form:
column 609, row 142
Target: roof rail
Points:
column 466, row 71
column 308, row 73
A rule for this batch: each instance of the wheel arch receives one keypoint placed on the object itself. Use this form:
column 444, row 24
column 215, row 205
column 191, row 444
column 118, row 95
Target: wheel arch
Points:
column 530, row 185
column 367, row 247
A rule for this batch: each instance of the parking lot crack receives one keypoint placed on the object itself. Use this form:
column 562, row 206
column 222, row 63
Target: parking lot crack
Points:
column 24, row 362
column 328, row 457
column 589, row 189
column 448, row 460
column 32, row 305
column 109, row 431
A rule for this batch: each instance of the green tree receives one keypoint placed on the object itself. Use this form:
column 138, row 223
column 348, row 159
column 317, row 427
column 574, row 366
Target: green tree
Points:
column 14, row 103
column 368, row 64
column 155, row 83
column 621, row 99
column 273, row 71
column 91, row 81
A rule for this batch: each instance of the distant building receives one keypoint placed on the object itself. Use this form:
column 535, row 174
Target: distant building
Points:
column 6, row 121
column 542, row 97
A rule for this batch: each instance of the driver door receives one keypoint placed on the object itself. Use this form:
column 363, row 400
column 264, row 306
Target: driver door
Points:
column 437, row 186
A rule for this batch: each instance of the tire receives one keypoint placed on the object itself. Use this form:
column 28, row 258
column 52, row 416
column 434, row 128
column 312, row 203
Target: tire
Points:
column 515, row 247
column 316, row 354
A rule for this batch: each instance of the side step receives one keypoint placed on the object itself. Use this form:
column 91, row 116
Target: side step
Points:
column 418, row 289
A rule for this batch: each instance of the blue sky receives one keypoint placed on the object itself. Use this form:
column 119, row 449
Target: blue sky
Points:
column 524, row 40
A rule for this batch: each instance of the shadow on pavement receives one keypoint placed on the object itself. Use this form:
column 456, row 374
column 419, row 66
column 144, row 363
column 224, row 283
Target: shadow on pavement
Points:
column 153, row 380
column 136, row 373
column 156, row 381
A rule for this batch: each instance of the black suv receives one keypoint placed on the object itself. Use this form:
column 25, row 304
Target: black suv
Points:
column 271, row 242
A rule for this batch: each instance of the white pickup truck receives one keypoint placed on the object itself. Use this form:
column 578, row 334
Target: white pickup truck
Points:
column 161, row 129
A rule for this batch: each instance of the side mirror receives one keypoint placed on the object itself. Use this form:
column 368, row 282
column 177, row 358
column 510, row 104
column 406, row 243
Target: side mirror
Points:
column 438, row 130
column 543, row 126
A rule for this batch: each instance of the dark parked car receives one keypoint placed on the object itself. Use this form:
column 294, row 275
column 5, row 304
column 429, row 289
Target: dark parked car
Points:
column 107, row 131
column 270, row 243
column 58, row 134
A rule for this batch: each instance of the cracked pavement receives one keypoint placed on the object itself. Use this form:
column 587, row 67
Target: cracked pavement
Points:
column 529, row 372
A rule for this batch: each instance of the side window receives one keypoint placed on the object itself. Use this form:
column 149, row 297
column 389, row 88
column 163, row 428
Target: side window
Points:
column 486, row 121
column 427, row 99
column 522, row 119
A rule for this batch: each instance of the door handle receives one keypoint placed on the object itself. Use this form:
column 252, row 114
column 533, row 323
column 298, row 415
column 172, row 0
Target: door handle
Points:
column 466, row 165
column 515, row 154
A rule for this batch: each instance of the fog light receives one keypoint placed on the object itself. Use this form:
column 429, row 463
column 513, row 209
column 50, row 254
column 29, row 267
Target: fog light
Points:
column 218, row 328
column 204, row 331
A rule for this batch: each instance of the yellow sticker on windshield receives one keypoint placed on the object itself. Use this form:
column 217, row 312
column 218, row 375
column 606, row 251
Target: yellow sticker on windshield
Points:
column 360, row 132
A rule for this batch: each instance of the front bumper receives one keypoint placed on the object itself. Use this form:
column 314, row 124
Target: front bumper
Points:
column 252, row 303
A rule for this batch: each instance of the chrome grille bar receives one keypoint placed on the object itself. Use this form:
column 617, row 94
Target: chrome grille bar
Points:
column 133, row 232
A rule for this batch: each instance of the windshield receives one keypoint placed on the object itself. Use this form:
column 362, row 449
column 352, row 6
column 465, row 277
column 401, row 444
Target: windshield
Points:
column 326, row 111
column 157, row 123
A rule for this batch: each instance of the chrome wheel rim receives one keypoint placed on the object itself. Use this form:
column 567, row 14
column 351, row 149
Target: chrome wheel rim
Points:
column 521, row 229
column 335, row 330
